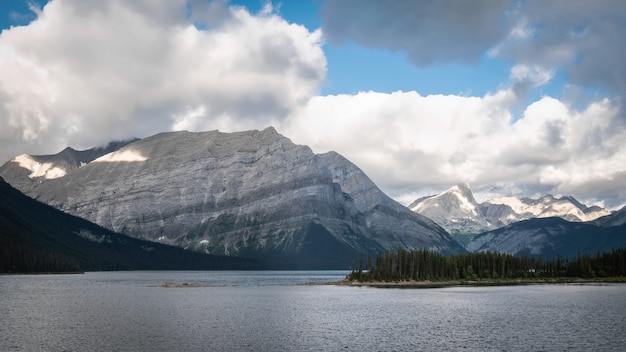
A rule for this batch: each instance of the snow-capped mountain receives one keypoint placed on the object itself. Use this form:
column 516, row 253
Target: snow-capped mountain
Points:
column 252, row 193
column 457, row 211
column 547, row 206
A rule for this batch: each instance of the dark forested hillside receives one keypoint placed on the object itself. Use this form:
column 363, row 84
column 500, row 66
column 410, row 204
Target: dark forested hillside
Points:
column 37, row 238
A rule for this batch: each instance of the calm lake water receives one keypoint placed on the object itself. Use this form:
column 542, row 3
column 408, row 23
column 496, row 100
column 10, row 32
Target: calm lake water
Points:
column 265, row 311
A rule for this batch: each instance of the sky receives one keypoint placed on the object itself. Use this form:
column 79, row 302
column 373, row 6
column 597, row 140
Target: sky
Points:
column 515, row 97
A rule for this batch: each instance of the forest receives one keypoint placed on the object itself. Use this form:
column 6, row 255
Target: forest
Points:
column 400, row 264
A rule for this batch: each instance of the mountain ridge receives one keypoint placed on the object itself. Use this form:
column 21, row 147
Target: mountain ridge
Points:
column 25, row 169
column 460, row 214
column 243, row 193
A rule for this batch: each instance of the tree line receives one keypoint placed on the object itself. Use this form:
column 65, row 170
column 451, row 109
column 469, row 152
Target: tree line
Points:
column 399, row 264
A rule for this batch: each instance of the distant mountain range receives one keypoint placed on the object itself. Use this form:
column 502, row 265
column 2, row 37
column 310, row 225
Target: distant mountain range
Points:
column 251, row 194
column 459, row 213
column 546, row 226
column 35, row 237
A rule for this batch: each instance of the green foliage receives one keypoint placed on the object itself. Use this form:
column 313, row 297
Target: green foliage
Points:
column 403, row 265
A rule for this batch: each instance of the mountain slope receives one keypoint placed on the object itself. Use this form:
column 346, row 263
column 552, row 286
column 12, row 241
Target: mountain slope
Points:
column 252, row 193
column 617, row 218
column 550, row 237
column 35, row 237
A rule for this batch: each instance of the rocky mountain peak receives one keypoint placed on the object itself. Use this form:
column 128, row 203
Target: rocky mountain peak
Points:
column 455, row 209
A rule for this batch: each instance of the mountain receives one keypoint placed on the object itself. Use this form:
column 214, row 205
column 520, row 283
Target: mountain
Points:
column 615, row 219
column 566, row 208
column 24, row 170
column 457, row 211
column 252, row 193
column 550, row 237
column 35, row 237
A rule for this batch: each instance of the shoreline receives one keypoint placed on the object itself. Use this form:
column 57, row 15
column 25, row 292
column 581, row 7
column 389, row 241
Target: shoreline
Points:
column 43, row 273
column 497, row 282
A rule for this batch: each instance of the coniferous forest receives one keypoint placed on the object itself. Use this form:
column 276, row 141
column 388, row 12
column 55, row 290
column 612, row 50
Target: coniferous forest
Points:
column 419, row 265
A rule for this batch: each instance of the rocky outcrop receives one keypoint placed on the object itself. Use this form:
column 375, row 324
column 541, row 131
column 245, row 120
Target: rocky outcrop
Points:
column 251, row 193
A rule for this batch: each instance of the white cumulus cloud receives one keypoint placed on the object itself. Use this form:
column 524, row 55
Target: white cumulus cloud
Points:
column 84, row 73
column 411, row 145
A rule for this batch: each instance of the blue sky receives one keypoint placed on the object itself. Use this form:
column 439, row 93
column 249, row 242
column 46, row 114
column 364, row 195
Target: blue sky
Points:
column 514, row 97
column 353, row 68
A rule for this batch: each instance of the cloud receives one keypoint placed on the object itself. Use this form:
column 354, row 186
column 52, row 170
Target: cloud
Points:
column 84, row 73
column 502, row 142
column 428, row 31
column 582, row 38
column 414, row 145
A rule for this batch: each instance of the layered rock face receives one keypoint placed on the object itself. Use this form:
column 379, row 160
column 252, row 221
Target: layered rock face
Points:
column 251, row 193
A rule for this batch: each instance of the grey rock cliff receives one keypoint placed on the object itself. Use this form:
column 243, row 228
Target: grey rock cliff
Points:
column 251, row 193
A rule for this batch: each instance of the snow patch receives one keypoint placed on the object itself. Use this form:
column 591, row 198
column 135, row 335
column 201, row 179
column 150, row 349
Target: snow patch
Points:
column 27, row 162
column 37, row 169
column 128, row 156
column 55, row 172
column 513, row 202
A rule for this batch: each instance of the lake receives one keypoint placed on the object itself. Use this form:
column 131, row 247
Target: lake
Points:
column 271, row 311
